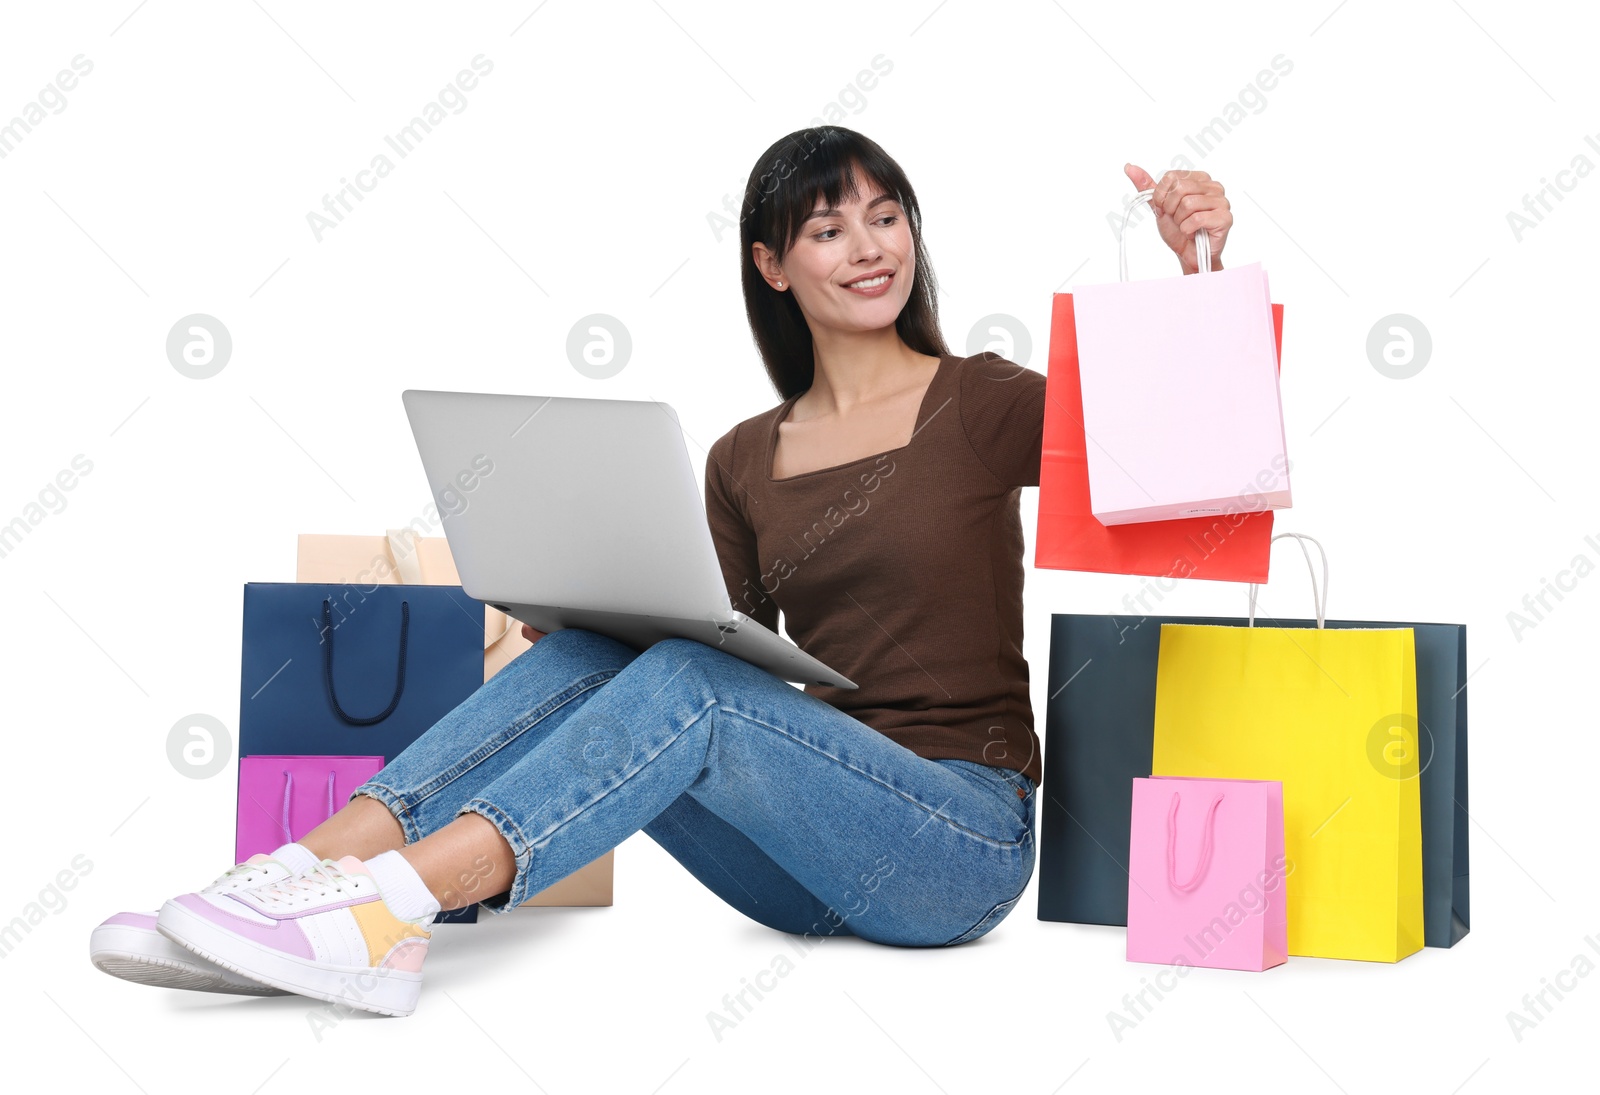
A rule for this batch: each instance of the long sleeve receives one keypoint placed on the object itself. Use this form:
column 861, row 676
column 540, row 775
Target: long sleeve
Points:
column 734, row 537
column 1002, row 414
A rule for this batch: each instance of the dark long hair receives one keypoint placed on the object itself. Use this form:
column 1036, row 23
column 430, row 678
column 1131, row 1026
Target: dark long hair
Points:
column 788, row 178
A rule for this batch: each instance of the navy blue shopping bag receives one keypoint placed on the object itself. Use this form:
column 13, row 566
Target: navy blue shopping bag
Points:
column 1099, row 736
column 336, row 670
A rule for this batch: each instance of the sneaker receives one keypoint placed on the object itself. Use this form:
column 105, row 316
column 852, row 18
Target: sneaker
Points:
column 326, row 934
column 128, row 945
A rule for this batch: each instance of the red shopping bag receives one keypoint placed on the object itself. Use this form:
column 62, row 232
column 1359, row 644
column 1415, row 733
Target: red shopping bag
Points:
column 1229, row 548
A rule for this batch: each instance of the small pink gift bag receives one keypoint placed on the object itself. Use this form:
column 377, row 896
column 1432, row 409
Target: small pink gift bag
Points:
column 1206, row 873
column 282, row 798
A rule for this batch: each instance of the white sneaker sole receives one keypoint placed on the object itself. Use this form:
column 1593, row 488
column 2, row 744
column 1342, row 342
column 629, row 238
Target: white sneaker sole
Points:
column 384, row 991
column 149, row 958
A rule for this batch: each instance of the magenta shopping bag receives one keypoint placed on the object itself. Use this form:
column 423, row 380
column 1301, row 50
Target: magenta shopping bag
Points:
column 282, row 798
column 1206, row 873
column 1179, row 378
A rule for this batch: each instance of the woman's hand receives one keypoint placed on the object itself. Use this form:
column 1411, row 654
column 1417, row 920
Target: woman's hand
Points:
column 533, row 636
column 1185, row 202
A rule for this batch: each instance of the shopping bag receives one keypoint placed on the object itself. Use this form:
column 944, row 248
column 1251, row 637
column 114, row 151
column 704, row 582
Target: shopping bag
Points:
column 1206, row 873
column 345, row 669
column 1333, row 715
column 1230, row 547
column 1099, row 722
column 1179, row 387
column 401, row 556
column 282, row 798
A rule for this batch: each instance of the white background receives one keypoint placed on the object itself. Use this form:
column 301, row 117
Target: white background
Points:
column 1376, row 179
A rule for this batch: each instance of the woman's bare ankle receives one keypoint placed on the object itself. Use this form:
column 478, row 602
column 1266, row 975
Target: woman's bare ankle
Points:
column 363, row 828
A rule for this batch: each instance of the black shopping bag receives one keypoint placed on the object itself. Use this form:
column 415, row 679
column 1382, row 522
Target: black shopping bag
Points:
column 1099, row 730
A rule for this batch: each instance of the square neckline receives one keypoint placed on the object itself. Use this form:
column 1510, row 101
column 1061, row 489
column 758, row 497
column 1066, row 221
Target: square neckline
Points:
column 783, row 412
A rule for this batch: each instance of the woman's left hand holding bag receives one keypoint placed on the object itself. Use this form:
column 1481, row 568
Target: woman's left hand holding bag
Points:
column 1185, row 202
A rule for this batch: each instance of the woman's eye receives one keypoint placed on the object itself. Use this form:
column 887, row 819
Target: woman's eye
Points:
column 823, row 235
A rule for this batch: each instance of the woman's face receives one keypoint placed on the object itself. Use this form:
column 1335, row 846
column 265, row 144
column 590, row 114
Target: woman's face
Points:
column 838, row 249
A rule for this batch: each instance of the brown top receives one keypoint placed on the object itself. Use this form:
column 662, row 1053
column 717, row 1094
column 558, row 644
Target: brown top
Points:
column 903, row 570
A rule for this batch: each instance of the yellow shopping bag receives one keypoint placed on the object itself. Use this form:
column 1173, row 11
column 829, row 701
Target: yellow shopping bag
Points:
column 1333, row 715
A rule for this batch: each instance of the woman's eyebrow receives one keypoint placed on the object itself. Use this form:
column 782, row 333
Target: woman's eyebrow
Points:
column 836, row 213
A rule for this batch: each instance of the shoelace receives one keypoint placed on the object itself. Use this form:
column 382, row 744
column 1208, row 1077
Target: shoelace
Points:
column 316, row 882
column 237, row 875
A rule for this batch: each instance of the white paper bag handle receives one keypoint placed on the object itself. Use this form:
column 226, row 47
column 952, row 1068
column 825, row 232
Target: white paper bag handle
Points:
column 1202, row 240
column 408, row 562
column 1319, row 598
column 403, row 550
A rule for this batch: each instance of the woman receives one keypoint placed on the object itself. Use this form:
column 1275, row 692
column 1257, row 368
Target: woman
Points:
column 878, row 506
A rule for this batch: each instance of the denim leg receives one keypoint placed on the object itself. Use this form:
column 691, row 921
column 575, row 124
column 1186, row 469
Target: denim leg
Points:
column 733, row 867
column 896, row 848
column 486, row 734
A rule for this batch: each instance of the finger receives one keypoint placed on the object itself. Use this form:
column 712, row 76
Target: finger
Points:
column 1138, row 176
column 1180, row 204
column 1181, row 180
column 1215, row 222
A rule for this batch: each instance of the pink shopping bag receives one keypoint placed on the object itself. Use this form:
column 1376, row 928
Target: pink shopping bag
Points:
column 1206, row 873
column 282, row 798
column 1179, row 380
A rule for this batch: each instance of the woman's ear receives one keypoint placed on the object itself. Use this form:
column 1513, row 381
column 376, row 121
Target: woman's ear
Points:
column 767, row 263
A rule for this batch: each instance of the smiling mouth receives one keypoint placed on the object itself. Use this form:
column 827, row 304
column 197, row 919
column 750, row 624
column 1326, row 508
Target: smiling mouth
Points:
column 869, row 283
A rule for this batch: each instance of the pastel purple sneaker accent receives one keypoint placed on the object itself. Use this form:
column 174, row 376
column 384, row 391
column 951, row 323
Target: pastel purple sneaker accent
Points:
column 284, row 935
column 131, row 920
column 128, row 946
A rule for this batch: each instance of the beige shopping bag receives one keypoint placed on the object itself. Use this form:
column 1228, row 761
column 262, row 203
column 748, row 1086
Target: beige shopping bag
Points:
column 401, row 557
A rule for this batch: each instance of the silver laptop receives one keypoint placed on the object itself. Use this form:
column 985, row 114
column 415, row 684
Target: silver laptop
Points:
column 570, row 512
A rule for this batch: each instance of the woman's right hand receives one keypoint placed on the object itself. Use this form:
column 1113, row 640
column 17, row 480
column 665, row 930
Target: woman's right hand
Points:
column 531, row 634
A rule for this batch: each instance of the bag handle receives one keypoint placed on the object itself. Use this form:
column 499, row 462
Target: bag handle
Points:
column 403, row 550
column 1202, row 239
column 288, row 793
column 399, row 676
column 1320, row 600
column 407, row 562
column 1206, row 843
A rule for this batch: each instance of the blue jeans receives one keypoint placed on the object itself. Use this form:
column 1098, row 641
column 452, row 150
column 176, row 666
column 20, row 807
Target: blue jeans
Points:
column 796, row 814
